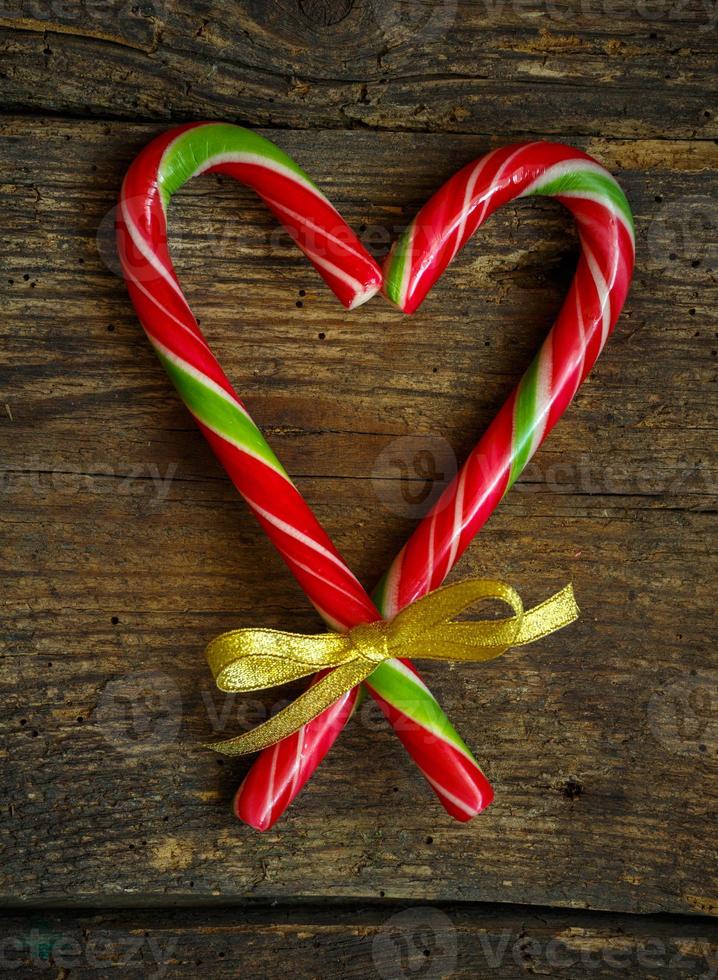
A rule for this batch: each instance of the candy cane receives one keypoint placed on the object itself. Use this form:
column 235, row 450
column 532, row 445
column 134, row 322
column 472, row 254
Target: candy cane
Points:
column 160, row 170
column 587, row 318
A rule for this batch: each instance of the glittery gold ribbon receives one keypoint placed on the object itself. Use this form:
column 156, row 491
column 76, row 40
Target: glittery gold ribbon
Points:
column 252, row 659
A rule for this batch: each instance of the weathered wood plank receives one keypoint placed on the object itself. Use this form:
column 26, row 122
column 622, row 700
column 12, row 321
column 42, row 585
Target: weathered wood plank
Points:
column 125, row 549
column 619, row 68
column 383, row 940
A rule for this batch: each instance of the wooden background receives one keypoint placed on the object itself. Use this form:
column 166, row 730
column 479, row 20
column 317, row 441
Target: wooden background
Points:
column 124, row 547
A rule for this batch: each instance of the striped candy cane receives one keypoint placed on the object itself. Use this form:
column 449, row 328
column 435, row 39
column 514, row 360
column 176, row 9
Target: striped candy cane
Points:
column 160, row 170
column 587, row 318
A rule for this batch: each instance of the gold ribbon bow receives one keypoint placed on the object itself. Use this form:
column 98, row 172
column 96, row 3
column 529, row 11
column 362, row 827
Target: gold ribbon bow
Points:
column 251, row 659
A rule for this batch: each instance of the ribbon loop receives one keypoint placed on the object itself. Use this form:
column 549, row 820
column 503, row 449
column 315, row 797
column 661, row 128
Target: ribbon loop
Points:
column 251, row 659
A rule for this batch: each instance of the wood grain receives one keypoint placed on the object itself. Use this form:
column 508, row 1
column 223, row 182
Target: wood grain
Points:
column 125, row 548
column 617, row 68
column 379, row 940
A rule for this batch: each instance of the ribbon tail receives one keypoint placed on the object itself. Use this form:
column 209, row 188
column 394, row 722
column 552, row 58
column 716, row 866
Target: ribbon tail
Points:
column 553, row 614
column 305, row 708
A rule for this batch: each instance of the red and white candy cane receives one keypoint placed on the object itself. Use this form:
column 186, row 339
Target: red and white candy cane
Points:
column 160, row 170
column 587, row 318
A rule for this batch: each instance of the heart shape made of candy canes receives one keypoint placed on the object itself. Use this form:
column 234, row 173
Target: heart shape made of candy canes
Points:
column 158, row 172
column 438, row 232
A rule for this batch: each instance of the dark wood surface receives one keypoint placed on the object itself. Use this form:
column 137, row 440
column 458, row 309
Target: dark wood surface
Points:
column 387, row 941
column 620, row 68
column 125, row 549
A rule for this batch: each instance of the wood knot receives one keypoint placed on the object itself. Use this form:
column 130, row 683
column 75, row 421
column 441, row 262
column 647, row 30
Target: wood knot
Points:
column 325, row 13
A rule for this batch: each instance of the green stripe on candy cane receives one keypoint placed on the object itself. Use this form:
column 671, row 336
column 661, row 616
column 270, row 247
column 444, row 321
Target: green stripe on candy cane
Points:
column 397, row 280
column 217, row 409
column 527, row 414
column 399, row 686
column 584, row 181
column 181, row 161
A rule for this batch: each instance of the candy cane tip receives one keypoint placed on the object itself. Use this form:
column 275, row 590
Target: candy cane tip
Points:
column 407, row 303
column 485, row 800
column 248, row 814
column 411, row 305
column 364, row 296
column 408, row 306
column 487, row 797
